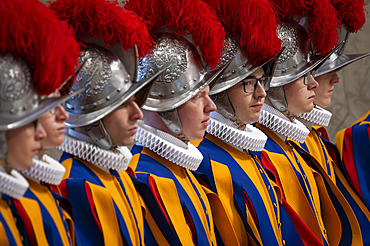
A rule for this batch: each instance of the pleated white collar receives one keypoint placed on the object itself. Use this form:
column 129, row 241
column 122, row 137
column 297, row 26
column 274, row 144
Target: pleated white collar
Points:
column 168, row 146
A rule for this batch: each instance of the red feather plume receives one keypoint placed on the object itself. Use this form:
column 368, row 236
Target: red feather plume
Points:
column 351, row 13
column 106, row 20
column 253, row 23
column 30, row 31
column 181, row 16
column 323, row 26
column 323, row 20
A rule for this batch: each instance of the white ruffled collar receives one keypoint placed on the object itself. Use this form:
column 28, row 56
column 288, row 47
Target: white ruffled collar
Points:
column 13, row 184
column 46, row 170
column 117, row 159
column 250, row 139
column 279, row 123
column 168, row 146
column 317, row 116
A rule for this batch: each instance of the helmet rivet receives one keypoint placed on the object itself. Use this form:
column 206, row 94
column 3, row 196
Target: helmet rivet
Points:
column 12, row 111
column 221, row 76
column 118, row 89
column 176, row 130
column 108, row 98
column 295, row 66
column 82, row 108
column 185, row 87
column 95, row 104
column 127, row 79
column 244, row 65
column 72, row 98
column 194, row 79
column 283, row 71
column 172, row 92
column 73, row 108
column 160, row 94
column 233, row 71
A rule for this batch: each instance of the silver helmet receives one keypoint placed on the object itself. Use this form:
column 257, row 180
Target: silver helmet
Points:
column 338, row 60
column 298, row 57
column 295, row 61
column 107, row 80
column 184, row 77
column 19, row 102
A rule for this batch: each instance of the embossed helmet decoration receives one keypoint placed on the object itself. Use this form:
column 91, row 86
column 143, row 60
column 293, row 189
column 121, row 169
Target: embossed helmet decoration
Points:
column 252, row 43
column 352, row 16
column 188, row 38
column 113, row 39
column 37, row 54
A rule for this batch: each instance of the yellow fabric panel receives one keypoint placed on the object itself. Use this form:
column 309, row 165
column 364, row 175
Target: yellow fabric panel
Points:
column 134, row 161
column 226, row 217
column 314, row 145
column 181, row 175
column 329, row 215
column 68, row 165
column 159, row 238
column 32, row 209
column 196, row 142
column 106, row 215
column 340, row 142
column 47, row 199
column 3, row 237
column 134, row 199
column 9, row 219
column 115, row 192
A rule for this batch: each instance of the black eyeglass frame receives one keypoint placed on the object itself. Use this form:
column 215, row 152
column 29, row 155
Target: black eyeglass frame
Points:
column 310, row 73
column 265, row 85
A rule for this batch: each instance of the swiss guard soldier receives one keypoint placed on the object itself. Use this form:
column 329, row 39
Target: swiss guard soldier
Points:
column 291, row 93
column 103, row 117
column 177, row 110
column 234, row 173
column 317, row 147
column 37, row 53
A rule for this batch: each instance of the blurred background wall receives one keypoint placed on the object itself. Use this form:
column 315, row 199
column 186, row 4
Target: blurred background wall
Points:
column 351, row 97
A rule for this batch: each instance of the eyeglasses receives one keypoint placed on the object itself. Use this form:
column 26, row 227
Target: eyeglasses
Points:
column 307, row 77
column 250, row 84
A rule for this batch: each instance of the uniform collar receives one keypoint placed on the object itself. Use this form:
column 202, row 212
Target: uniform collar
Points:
column 317, row 116
column 46, row 170
column 13, row 184
column 117, row 159
column 279, row 123
column 249, row 139
column 168, row 146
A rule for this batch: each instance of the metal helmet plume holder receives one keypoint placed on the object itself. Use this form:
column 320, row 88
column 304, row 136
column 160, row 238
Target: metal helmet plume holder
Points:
column 183, row 78
column 338, row 59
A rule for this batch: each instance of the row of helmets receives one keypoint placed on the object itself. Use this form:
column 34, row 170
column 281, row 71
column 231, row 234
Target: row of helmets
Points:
column 192, row 48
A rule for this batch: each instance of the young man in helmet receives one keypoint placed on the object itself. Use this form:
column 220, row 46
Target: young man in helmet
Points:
column 292, row 93
column 102, row 121
column 25, row 81
column 176, row 112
